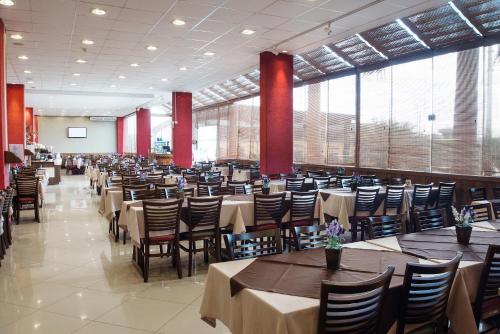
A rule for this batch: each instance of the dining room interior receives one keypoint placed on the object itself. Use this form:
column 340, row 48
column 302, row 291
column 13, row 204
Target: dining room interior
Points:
column 250, row 167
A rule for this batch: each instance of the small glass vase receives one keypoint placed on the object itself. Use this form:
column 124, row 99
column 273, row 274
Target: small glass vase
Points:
column 333, row 257
column 463, row 234
column 180, row 194
column 266, row 191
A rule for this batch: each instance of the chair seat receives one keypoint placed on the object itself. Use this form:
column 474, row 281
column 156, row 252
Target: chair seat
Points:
column 262, row 227
column 161, row 238
column 202, row 234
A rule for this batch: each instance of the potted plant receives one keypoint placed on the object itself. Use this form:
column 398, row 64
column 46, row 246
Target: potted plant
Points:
column 181, row 184
column 266, row 185
column 333, row 248
column 463, row 221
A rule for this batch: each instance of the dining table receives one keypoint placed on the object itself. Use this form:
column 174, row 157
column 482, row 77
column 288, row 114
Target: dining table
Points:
column 280, row 293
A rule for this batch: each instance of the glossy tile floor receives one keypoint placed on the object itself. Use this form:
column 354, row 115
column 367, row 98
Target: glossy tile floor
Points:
column 65, row 275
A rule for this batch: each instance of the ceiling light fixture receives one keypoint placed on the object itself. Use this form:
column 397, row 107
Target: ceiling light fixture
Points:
column 248, row 32
column 73, row 84
column 16, row 36
column 151, row 48
column 122, row 77
column 88, row 42
column 81, row 61
column 134, row 65
column 209, row 53
column 22, row 57
column 98, row 11
column 284, row 51
column 178, row 22
column 27, row 71
column 7, row 3
column 113, row 86
column 150, row 87
column 183, row 68
column 164, row 79
column 31, row 82
column 76, row 74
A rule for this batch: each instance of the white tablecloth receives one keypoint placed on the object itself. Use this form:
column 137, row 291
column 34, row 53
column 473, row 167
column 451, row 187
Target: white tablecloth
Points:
column 111, row 201
column 224, row 170
column 241, row 174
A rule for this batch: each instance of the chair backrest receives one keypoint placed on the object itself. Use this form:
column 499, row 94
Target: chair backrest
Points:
column 113, row 182
column 379, row 182
column 397, row 181
column 321, row 182
column 154, row 178
column 426, row 289
column 421, row 196
column 191, row 178
column 496, row 192
column 9, row 196
column 140, row 195
column 209, row 188
column 430, row 219
column 366, row 180
column 295, row 184
column 236, row 187
column 347, row 308
column 487, row 297
column 307, row 237
column 161, row 216
column 253, row 189
column 482, row 212
column 385, row 226
column 445, row 194
column 204, row 213
column 128, row 188
column 314, row 173
column 27, row 186
column 477, row 194
column 344, row 181
column 253, row 244
column 302, row 206
column 394, row 196
column 496, row 209
column 167, row 190
column 268, row 208
column 366, row 201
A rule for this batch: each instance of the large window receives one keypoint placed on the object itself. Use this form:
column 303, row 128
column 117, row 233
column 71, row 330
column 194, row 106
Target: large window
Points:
column 130, row 130
column 161, row 130
column 439, row 114
column 324, row 122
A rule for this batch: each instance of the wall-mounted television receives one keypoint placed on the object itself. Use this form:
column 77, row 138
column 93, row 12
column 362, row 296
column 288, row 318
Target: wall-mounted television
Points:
column 77, row 132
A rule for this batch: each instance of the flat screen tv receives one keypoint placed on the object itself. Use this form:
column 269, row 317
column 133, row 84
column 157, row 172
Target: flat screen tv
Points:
column 77, row 132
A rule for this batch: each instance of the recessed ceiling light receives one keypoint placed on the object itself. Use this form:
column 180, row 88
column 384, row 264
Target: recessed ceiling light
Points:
column 150, row 87
column 122, row 77
column 27, row 71
column 178, row 22
column 134, row 65
column 81, row 61
column 98, row 11
column 209, row 53
column 248, row 32
column 183, row 68
column 151, row 48
column 76, row 74
column 16, row 36
column 22, row 57
column 73, row 84
column 164, row 79
column 7, row 2
column 113, row 86
column 31, row 82
column 88, row 42
column 284, row 51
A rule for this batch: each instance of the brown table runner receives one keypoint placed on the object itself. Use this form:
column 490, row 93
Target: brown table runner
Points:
column 301, row 273
column 441, row 244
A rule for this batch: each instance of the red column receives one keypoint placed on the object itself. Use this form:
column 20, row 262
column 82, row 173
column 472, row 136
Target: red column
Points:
column 119, row 134
column 182, row 133
column 15, row 115
column 4, row 168
column 35, row 125
column 29, row 124
column 276, row 113
column 143, row 132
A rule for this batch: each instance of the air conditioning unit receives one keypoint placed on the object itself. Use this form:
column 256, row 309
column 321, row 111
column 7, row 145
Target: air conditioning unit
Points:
column 102, row 118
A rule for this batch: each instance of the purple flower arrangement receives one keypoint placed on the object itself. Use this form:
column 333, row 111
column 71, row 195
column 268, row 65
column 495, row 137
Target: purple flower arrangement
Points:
column 181, row 184
column 334, row 234
column 465, row 218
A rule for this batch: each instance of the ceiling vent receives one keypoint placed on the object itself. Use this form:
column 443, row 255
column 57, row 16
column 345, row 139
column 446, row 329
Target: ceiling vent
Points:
column 102, row 118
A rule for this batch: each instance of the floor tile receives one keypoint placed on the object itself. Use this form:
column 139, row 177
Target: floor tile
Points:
column 44, row 323
column 99, row 328
column 10, row 313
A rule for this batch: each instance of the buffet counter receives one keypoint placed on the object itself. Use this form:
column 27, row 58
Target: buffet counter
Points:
column 52, row 169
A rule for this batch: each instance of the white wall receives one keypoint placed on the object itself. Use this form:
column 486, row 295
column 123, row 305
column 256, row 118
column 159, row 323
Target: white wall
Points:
column 53, row 131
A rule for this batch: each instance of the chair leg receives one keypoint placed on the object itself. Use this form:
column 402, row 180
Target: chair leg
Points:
column 177, row 256
column 354, row 231
column 190, row 261
column 205, row 251
column 125, row 237
column 116, row 230
column 37, row 212
column 146, row 264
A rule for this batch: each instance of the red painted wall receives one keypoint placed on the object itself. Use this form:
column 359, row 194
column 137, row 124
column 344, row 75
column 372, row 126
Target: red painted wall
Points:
column 143, row 132
column 29, row 120
column 4, row 168
column 15, row 114
column 120, row 121
column 276, row 113
column 182, row 133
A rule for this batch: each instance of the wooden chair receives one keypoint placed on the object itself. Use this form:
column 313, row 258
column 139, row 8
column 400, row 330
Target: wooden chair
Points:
column 295, row 184
column 188, row 192
column 321, row 182
column 302, row 208
column 394, row 196
column 131, row 180
column 236, row 187
column 340, row 181
column 496, row 209
column 7, row 205
column 478, row 194
column 379, row 182
column 203, row 221
column 141, row 195
column 167, row 190
column 385, row 226
column 253, row 189
column 430, row 219
column 487, row 303
column 496, row 192
column 154, row 178
column 314, row 173
column 419, row 201
column 482, row 211
column 397, row 181
column 267, row 211
column 445, row 195
column 161, row 227
column 127, row 189
column 209, row 188
column 348, row 308
column 27, row 194
column 308, row 237
column 367, row 180
column 253, row 244
column 364, row 207
column 426, row 289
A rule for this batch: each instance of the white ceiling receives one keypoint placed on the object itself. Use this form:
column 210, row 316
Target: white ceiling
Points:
column 53, row 31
